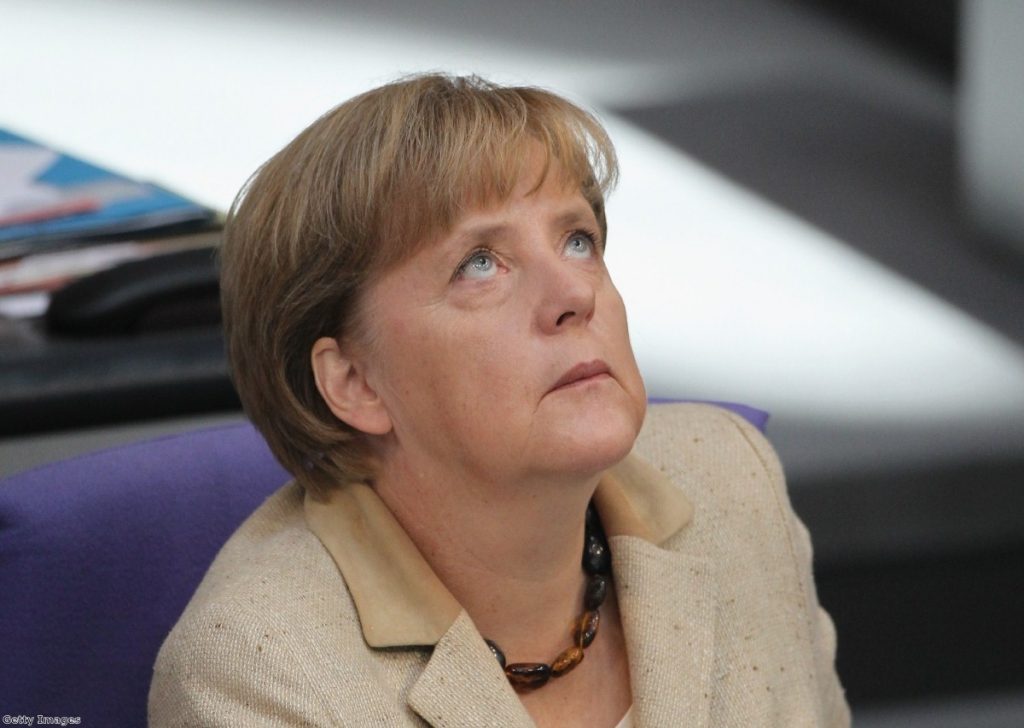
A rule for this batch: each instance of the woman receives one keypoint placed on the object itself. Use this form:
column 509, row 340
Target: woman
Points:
column 421, row 324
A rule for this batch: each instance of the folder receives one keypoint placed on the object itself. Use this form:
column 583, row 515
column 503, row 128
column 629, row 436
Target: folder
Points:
column 51, row 200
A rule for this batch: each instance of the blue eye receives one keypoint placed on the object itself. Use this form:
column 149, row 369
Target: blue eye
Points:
column 480, row 264
column 580, row 245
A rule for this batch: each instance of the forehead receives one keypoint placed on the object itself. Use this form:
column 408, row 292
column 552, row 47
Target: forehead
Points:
column 543, row 192
column 540, row 183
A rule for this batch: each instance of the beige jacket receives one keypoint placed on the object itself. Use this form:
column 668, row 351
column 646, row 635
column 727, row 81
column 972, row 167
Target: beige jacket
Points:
column 326, row 614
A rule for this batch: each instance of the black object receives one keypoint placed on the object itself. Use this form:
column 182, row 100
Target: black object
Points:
column 169, row 291
column 57, row 383
column 137, row 342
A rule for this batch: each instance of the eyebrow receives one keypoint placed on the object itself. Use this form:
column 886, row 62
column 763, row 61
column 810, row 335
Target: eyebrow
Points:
column 576, row 216
column 482, row 234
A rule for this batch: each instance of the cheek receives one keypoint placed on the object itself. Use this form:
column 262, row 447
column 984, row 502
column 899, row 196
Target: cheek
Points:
column 630, row 377
column 472, row 407
column 453, row 374
column 615, row 324
column 486, row 373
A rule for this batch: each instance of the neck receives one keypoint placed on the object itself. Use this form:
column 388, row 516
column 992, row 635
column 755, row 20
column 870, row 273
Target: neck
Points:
column 509, row 552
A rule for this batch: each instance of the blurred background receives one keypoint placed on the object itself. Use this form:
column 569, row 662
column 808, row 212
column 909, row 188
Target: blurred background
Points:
column 820, row 214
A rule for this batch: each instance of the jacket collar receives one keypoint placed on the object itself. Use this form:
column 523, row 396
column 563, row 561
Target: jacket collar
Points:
column 399, row 598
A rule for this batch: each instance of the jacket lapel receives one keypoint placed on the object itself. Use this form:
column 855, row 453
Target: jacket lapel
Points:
column 667, row 602
column 463, row 684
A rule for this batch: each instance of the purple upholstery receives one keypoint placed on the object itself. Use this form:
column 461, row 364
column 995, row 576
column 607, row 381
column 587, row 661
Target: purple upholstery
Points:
column 100, row 554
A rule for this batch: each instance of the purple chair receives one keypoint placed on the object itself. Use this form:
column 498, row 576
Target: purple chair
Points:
column 100, row 554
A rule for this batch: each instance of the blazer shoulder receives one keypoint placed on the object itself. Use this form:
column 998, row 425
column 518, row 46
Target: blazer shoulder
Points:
column 271, row 548
column 243, row 651
column 742, row 518
column 705, row 438
column 744, row 522
column 228, row 662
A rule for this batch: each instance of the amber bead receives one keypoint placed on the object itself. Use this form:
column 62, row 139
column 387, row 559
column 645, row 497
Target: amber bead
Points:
column 596, row 559
column 496, row 651
column 566, row 661
column 528, row 675
column 597, row 590
column 586, row 628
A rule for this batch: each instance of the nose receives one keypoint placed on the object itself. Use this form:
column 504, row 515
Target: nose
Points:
column 567, row 299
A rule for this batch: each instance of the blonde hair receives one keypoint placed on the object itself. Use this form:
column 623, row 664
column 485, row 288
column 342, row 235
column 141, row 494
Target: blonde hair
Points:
column 359, row 190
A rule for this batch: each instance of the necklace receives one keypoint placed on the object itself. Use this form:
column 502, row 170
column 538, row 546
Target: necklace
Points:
column 597, row 565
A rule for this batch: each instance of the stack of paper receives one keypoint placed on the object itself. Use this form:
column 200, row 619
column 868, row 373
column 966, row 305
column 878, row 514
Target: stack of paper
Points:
column 51, row 200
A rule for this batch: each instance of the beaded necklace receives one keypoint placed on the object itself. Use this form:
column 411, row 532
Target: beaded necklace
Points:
column 597, row 564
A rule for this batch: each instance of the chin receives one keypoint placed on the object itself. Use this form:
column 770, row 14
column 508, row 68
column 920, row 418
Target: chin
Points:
column 599, row 440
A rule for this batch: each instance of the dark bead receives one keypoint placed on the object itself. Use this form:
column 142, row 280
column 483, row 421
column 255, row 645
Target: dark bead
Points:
column 496, row 651
column 596, row 559
column 528, row 675
column 586, row 628
column 566, row 661
column 597, row 590
column 593, row 523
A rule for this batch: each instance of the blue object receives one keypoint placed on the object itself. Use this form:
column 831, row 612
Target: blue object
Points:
column 127, row 205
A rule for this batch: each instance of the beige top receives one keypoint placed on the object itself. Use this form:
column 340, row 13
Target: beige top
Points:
column 327, row 614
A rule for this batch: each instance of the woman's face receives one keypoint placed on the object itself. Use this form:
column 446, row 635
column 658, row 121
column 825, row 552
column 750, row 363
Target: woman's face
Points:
column 502, row 349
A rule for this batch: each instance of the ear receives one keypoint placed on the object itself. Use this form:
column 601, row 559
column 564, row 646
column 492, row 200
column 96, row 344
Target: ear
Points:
column 342, row 384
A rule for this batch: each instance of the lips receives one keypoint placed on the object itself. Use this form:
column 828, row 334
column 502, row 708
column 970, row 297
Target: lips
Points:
column 581, row 372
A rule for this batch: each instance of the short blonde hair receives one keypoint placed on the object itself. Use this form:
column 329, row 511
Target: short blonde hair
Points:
column 359, row 190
